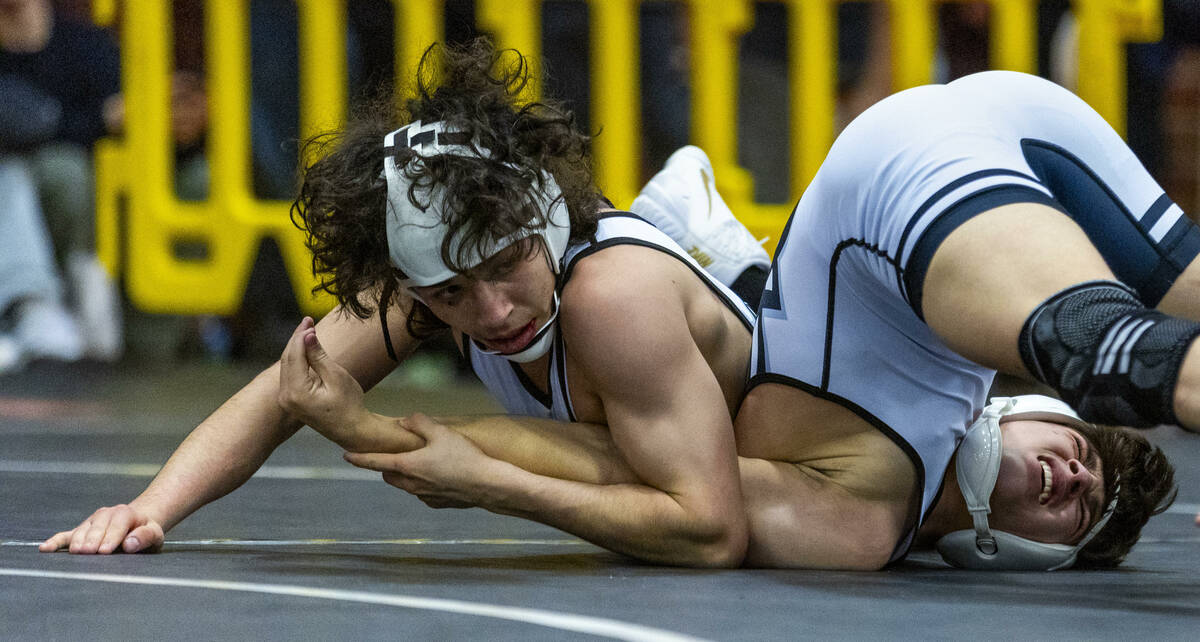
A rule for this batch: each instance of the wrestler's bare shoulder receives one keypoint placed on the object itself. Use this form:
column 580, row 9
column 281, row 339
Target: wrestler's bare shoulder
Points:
column 637, row 288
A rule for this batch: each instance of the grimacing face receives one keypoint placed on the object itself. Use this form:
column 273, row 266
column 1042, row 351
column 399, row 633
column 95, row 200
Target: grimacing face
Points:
column 1051, row 483
column 503, row 302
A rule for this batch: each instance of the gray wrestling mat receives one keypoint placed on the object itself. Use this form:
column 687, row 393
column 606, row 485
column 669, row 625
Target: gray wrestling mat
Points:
column 315, row 549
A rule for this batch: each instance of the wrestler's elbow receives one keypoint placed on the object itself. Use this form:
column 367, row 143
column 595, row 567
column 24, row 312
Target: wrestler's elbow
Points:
column 867, row 552
column 718, row 541
column 727, row 553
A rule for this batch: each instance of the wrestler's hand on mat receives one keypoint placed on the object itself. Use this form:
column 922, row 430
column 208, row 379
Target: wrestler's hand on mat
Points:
column 316, row 390
column 445, row 473
column 109, row 530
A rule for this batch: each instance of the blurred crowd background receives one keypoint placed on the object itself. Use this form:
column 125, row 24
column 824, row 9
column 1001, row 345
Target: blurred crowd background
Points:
column 60, row 91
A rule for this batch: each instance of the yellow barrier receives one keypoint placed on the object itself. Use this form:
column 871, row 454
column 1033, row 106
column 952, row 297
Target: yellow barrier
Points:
column 230, row 225
column 137, row 171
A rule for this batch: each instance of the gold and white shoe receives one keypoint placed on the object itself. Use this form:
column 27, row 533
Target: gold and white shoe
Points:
column 682, row 201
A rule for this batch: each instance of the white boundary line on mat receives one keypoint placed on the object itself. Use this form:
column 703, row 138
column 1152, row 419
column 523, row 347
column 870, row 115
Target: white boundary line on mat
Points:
column 563, row 621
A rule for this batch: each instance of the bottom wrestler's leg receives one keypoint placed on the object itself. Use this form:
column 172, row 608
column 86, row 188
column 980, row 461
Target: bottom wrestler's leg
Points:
column 1183, row 300
column 992, row 272
column 1004, row 289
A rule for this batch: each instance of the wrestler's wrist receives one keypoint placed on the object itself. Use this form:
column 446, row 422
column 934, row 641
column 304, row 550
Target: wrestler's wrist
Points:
column 379, row 433
column 499, row 487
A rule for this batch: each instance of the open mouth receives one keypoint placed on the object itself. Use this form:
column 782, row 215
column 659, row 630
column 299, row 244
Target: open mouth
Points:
column 515, row 342
column 1047, row 482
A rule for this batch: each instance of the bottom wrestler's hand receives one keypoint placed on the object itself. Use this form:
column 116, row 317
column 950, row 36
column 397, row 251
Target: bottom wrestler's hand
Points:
column 447, row 472
column 316, row 390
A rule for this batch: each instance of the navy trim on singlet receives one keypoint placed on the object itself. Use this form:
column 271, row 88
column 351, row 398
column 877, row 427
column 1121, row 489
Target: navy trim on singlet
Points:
column 385, row 299
column 615, row 213
column 566, row 272
column 1150, row 268
column 908, row 537
column 465, row 348
column 941, row 193
column 544, row 398
column 831, row 297
column 560, row 360
column 1157, row 209
column 950, row 219
column 770, row 299
column 629, row 240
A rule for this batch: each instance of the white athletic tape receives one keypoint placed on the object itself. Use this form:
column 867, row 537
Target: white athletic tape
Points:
column 563, row 621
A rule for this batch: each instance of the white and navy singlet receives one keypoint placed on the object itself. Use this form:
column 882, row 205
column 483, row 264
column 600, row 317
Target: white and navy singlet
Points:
column 509, row 384
column 841, row 314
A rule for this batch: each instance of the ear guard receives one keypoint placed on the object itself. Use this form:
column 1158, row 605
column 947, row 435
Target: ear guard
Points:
column 978, row 465
column 415, row 235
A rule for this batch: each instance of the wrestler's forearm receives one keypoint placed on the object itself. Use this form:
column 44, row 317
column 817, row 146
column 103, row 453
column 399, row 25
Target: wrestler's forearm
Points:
column 579, row 452
column 573, row 451
column 629, row 518
column 571, row 476
column 373, row 433
column 220, row 454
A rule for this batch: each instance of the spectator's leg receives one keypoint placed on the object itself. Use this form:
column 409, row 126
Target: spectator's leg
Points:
column 65, row 185
column 30, row 288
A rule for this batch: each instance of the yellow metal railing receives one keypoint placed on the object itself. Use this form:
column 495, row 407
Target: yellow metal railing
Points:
column 137, row 169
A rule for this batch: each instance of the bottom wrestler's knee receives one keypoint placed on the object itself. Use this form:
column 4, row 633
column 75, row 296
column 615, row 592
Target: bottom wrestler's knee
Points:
column 1111, row 358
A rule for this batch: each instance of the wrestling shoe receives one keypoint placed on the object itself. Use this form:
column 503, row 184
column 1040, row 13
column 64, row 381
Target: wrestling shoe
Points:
column 682, row 201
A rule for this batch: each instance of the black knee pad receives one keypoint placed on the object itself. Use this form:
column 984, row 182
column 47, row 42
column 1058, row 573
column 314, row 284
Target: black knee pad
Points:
column 1111, row 358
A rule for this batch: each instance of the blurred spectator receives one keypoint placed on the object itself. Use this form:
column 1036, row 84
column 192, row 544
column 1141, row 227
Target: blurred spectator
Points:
column 864, row 51
column 1160, row 124
column 58, row 78
column 1181, row 108
column 963, row 40
column 864, row 77
column 1158, row 76
column 36, row 323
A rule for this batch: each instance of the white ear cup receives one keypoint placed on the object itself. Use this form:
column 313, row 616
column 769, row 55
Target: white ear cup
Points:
column 978, row 465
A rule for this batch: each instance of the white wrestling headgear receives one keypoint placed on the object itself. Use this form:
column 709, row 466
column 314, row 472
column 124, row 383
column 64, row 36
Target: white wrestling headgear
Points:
column 415, row 235
column 978, row 465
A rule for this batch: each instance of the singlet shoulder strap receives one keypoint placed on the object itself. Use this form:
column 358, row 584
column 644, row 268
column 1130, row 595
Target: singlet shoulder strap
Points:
column 385, row 298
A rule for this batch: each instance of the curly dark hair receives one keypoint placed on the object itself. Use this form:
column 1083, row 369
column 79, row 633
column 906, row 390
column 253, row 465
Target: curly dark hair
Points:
column 1144, row 482
column 342, row 201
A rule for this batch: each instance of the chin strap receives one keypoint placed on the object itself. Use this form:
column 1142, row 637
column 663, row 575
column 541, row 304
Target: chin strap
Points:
column 538, row 346
column 978, row 467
